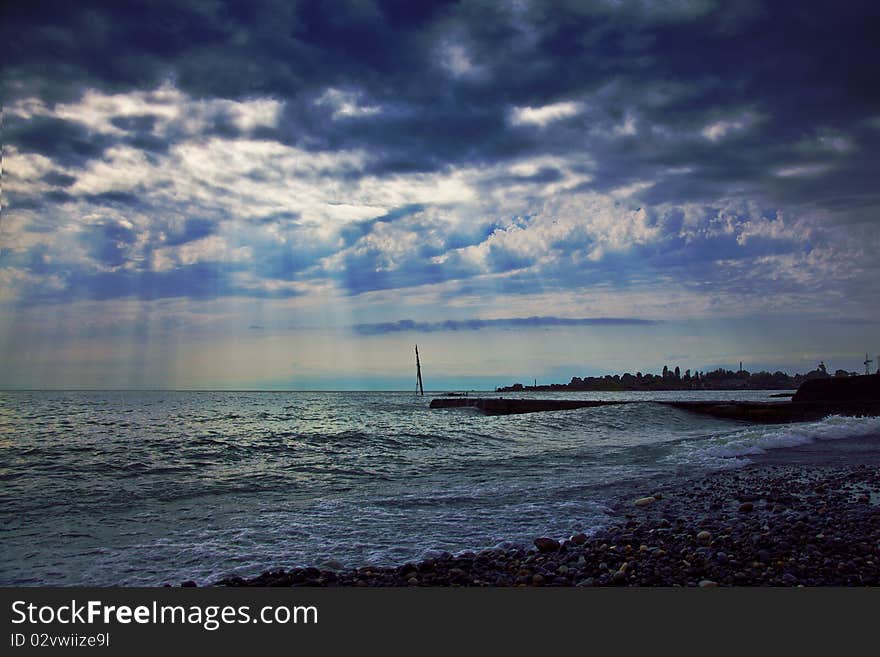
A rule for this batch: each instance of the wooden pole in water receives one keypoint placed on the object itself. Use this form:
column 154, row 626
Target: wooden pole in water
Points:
column 419, row 373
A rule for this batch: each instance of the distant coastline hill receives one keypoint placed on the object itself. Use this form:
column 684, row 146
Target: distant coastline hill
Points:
column 719, row 379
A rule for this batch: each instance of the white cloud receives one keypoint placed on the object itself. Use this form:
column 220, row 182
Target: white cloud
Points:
column 345, row 104
column 171, row 109
column 213, row 248
column 632, row 189
column 627, row 128
column 544, row 115
column 587, row 225
column 724, row 128
column 456, row 59
column 801, row 170
column 123, row 168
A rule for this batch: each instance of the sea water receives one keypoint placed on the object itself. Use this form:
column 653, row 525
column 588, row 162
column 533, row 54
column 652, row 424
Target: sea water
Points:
column 146, row 488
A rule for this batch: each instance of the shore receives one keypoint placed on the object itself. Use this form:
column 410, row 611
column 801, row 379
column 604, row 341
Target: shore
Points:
column 807, row 516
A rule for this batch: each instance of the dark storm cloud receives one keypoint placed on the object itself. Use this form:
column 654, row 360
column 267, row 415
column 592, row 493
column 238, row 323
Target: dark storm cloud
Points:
column 775, row 101
column 68, row 142
column 800, row 66
column 508, row 323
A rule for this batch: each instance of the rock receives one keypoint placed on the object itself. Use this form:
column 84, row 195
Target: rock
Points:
column 579, row 539
column 645, row 501
column 188, row 584
column 332, row 565
column 704, row 538
column 746, row 506
column 589, row 581
column 538, row 580
column 707, row 584
column 545, row 544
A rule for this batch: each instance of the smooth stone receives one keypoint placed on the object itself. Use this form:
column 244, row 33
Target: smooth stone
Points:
column 645, row 501
column 545, row 544
column 746, row 506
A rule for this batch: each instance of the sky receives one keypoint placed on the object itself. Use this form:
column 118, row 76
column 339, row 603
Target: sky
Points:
column 276, row 194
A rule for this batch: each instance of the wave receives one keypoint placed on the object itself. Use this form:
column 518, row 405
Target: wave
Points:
column 733, row 449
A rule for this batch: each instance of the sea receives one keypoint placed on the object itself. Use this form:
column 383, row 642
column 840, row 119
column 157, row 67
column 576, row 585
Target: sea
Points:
column 144, row 488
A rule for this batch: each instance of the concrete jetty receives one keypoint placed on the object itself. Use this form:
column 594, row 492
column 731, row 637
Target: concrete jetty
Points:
column 765, row 412
column 507, row 406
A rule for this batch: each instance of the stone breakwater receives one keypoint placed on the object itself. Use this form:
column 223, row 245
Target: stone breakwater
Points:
column 765, row 525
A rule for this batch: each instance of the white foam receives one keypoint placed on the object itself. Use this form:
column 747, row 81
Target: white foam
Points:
column 732, row 449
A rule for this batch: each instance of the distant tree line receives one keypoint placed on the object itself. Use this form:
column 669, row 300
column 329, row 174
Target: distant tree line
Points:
column 719, row 379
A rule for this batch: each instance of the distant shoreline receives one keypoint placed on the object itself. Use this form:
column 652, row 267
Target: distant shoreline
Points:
column 674, row 379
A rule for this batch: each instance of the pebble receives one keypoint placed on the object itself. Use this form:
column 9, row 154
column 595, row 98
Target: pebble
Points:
column 545, row 544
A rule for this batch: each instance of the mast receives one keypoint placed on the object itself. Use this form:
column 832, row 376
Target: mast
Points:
column 419, row 373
